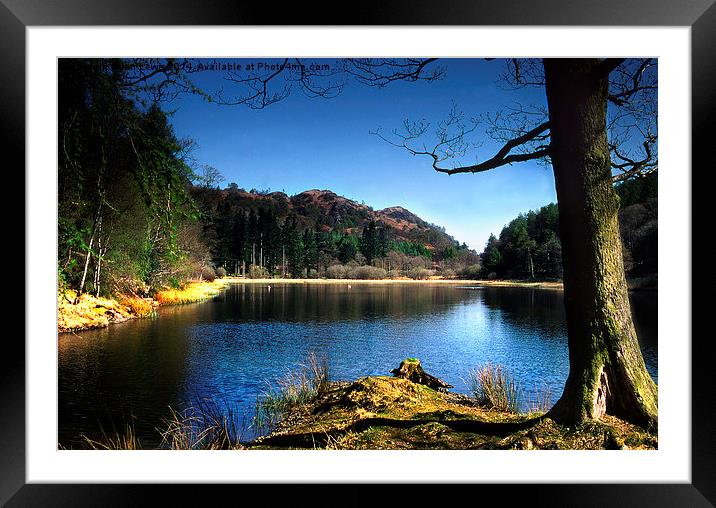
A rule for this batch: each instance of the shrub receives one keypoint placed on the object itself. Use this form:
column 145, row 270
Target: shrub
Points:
column 494, row 387
column 221, row 272
column 312, row 273
column 208, row 274
column 369, row 272
column 257, row 272
column 471, row 272
column 419, row 273
column 336, row 272
column 393, row 274
column 448, row 273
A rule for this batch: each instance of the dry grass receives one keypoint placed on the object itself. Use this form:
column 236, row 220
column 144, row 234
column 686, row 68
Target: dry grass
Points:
column 494, row 387
column 209, row 425
column 297, row 388
column 87, row 312
column 140, row 307
column 119, row 440
column 192, row 292
column 541, row 402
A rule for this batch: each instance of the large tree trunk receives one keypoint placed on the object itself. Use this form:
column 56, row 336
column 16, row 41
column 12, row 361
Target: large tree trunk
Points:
column 607, row 372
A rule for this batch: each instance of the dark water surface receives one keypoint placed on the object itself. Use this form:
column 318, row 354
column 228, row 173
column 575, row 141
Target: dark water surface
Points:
column 229, row 348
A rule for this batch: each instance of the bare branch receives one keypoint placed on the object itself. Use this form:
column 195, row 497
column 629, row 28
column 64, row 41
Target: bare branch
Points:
column 381, row 72
column 258, row 90
column 606, row 66
column 629, row 82
column 160, row 80
column 520, row 73
column 633, row 114
column 452, row 143
column 630, row 167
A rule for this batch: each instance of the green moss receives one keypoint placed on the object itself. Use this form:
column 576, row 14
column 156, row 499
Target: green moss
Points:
column 393, row 413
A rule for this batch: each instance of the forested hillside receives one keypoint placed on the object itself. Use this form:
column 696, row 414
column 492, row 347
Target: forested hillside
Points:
column 311, row 232
column 529, row 246
column 136, row 213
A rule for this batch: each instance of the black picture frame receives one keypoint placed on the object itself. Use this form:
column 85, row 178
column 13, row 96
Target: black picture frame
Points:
column 16, row 15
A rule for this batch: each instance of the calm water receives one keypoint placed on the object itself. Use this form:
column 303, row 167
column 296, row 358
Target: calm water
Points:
column 231, row 347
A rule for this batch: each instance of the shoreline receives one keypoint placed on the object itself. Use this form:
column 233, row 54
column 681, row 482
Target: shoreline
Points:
column 494, row 283
column 92, row 312
column 102, row 312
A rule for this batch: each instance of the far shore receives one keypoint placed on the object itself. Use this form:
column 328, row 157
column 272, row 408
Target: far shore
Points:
column 503, row 283
column 101, row 312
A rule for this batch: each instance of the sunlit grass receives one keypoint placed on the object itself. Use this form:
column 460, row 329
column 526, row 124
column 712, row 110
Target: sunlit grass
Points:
column 140, row 307
column 87, row 311
column 192, row 292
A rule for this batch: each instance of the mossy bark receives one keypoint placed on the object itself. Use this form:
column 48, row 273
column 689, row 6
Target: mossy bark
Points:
column 607, row 372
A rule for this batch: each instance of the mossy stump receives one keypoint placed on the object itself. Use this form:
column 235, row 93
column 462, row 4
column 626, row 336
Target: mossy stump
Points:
column 411, row 370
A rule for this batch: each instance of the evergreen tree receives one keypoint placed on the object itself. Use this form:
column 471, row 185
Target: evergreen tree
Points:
column 369, row 242
column 491, row 257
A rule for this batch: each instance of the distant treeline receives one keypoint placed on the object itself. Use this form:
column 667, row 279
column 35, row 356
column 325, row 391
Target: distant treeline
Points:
column 264, row 234
column 135, row 215
column 529, row 246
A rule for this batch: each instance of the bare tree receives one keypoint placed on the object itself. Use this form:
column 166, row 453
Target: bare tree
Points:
column 209, row 177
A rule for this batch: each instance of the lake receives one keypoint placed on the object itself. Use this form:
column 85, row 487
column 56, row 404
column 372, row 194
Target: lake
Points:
column 231, row 348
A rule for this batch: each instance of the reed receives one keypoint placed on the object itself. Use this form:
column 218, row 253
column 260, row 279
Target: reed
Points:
column 296, row 389
column 494, row 387
column 207, row 425
column 125, row 439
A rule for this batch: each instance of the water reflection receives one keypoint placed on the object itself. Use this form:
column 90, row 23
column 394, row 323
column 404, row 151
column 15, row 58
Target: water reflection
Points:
column 250, row 335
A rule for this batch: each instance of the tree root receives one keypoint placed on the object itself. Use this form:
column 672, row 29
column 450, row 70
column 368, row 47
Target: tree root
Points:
column 320, row 439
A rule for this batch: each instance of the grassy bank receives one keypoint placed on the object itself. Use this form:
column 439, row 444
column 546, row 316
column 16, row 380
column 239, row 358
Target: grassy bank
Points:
column 192, row 292
column 88, row 311
column 392, row 413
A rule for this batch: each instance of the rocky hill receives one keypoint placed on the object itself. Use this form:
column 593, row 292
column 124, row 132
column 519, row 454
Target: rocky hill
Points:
column 326, row 210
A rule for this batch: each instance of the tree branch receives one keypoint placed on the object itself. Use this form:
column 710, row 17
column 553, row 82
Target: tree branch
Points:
column 501, row 158
column 631, row 167
column 379, row 73
column 636, row 84
column 606, row 66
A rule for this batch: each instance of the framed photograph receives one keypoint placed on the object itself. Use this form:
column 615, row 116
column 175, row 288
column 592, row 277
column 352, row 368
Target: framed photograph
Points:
column 423, row 248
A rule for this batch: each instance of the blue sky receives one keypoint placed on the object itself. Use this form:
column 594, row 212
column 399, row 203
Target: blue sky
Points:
column 302, row 143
